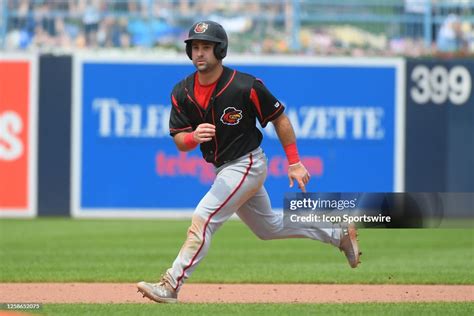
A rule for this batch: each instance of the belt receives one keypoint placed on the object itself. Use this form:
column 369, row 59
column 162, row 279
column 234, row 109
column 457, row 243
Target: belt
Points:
column 253, row 152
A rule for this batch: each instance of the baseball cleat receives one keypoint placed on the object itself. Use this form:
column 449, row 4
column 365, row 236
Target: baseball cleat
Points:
column 161, row 292
column 349, row 245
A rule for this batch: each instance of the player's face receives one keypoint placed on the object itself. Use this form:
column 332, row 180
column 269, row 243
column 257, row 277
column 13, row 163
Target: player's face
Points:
column 203, row 56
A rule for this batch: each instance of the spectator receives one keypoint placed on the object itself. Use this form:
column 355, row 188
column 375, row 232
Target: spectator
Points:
column 258, row 27
column 450, row 37
column 91, row 19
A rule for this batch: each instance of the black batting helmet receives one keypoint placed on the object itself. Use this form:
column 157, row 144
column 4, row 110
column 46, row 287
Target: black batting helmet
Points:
column 208, row 31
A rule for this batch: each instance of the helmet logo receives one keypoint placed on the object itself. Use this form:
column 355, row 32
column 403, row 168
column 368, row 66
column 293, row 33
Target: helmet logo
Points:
column 201, row 27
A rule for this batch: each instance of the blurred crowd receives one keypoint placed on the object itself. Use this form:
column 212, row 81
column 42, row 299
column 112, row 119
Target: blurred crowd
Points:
column 256, row 27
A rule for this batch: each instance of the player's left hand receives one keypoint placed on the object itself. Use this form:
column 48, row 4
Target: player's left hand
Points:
column 297, row 172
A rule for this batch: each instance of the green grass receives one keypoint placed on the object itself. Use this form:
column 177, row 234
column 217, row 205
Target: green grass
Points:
column 260, row 309
column 65, row 250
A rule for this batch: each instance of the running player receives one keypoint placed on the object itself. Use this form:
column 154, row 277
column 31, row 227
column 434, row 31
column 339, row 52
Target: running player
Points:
column 217, row 108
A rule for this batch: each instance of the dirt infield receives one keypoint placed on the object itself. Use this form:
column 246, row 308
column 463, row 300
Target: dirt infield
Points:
column 236, row 293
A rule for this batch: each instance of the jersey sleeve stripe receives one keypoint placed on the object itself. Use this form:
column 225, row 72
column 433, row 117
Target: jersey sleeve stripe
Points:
column 273, row 114
column 175, row 103
column 256, row 102
column 180, row 129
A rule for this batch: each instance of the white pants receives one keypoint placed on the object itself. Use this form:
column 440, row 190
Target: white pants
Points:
column 238, row 188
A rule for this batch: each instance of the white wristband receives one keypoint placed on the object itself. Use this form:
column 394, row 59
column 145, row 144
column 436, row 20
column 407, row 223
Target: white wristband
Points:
column 295, row 164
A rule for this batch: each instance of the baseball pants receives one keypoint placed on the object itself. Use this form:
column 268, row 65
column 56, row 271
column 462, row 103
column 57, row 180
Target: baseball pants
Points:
column 237, row 188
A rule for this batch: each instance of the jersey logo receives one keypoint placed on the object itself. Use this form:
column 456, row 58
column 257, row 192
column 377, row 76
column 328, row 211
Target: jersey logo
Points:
column 201, row 27
column 231, row 116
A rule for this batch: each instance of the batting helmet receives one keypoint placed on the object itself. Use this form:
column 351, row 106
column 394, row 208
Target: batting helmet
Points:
column 208, row 31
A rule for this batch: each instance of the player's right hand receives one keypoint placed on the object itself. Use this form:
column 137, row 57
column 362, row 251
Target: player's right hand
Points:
column 204, row 133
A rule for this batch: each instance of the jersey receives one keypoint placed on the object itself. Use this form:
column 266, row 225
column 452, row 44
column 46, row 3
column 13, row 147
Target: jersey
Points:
column 238, row 101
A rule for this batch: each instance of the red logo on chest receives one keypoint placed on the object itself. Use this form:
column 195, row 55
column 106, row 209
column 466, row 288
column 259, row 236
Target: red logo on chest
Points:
column 231, row 116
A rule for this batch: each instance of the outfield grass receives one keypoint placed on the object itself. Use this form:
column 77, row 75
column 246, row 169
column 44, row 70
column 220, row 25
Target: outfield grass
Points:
column 260, row 309
column 65, row 250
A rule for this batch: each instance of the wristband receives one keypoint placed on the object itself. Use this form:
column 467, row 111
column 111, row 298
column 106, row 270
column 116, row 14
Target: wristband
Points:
column 189, row 141
column 295, row 164
column 292, row 153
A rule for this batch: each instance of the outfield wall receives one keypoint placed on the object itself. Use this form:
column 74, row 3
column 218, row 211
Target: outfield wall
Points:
column 54, row 133
column 440, row 126
column 363, row 125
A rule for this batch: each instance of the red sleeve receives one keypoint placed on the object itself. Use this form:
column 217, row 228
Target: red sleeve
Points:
column 179, row 122
column 266, row 105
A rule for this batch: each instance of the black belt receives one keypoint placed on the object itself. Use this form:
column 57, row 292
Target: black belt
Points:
column 219, row 164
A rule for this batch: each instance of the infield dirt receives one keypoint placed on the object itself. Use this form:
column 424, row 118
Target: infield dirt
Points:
column 236, row 293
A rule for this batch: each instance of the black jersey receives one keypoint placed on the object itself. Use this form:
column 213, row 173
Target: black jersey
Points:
column 237, row 102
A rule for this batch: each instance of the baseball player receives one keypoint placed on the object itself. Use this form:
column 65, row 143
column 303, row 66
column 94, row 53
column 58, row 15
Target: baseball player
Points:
column 217, row 108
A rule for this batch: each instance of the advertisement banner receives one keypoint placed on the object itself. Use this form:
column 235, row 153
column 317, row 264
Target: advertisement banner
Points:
column 17, row 136
column 347, row 116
